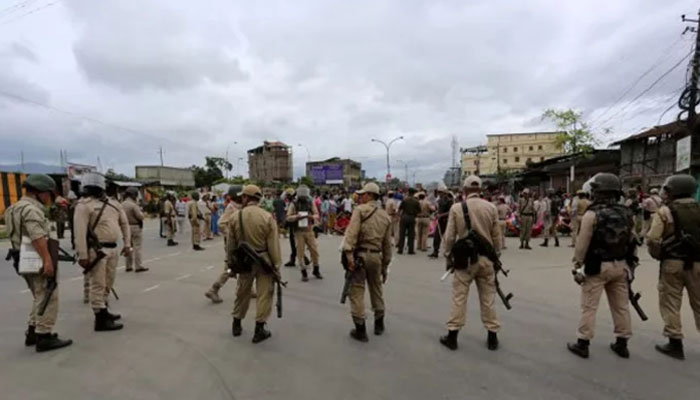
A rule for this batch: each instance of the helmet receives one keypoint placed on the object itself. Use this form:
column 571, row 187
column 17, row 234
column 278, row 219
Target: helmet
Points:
column 235, row 190
column 93, row 179
column 132, row 191
column 40, row 183
column 195, row 195
column 681, row 185
column 654, row 191
column 303, row 191
column 605, row 182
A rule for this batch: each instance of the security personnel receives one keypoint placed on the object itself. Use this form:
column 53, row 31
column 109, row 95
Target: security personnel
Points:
column 96, row 213
column 680, row 259
column 392, row 209
column 196, row 220
column 423, row 222
column 526, row 213
column 409, row 210
column 650, row 206
column 605, row 243
column 59, row 214
column 443, row 210
column 580, row 206
column 205, row 206
column 260, row 231
column 169, row 213
column 484, row 220
column 555, row 204
column 135, row 218
column 368, row 236
column 224, row 225
column 26, row 222
column 305, row 235
column 503, row 213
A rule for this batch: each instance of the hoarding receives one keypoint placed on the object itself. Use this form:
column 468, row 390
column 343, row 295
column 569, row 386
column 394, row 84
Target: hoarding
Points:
column 329, row 174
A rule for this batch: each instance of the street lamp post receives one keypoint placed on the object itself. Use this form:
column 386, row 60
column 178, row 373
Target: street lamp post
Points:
column 227, row 147
column 308, row 155
column 388, row 146
column 238, row 166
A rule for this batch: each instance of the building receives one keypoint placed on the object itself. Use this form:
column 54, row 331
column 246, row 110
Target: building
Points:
column 271, row 162
column 556, row 172
column 335, row 171
column 509, row 152
column 157, row 175
column 453, row 177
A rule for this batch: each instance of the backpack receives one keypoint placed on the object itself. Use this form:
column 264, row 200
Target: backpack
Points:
column 686, row 227
column 612, row 236
column 464, row 251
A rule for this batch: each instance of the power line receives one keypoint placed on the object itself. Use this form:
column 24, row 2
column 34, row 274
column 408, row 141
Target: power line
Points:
column 6, row 22
column 16, row 7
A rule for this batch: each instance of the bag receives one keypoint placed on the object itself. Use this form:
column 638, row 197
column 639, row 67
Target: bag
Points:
column 612, row 236
column 240, row 261
column 464, row 251
column 685, row 244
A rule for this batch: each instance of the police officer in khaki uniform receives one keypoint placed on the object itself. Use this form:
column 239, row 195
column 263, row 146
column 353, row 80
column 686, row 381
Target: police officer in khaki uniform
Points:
column 196, row 220
column 581, row 205
column 26, row 222
column 607, row 237
column 423, row 222
column 169, row 215
column 650, row 206
column 393, row 211
column 503, row 212
column 444, row 204
column 135, row 218
column 484, row 220
column 206, row 211
column 526, row 213
column 104, row 217
column 304, row 236
column 368, row 236
column 680, row 260
column 260, row 231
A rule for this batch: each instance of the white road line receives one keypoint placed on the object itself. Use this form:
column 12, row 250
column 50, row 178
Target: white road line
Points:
column 154, row 287
column 209, row 267
column 122, row 267
column 76, row 278
column 24, row 291
column 174, row 254
column 179, row 278
column 151, row 260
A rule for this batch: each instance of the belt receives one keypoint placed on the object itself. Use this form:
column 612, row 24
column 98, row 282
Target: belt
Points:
column 109, row 245
column 363, row 250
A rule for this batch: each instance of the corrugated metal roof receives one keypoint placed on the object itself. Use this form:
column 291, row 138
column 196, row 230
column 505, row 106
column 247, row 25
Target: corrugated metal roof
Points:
column 673, row 128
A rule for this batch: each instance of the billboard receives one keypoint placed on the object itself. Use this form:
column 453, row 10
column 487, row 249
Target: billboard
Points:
column 329, row 174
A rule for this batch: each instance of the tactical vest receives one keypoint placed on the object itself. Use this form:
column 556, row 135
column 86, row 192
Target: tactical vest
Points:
column 685, row 242
column 612, row 236
column 303, row 205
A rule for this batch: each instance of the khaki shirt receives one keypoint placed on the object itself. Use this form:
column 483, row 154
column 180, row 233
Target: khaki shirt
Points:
column 168, row 209
column 503, row 211
column 581, row 207
column 484, row 220
column 27, row 215
column 652, row 203
column 585, row 234
column 372, row 234
column 207, row 208
column 112, row 221
column 132, row 211
column 231, row 209
column 260, row 231
column 526, row 206
column 391, row 208
column 425, row 208
column 193, row 212
column 292, row 215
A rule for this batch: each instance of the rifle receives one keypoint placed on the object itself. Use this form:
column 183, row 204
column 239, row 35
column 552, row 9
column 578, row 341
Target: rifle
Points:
column 632, row 261
column 486, row 249
column 93, row 242
column 52, row 282
column 349, row 275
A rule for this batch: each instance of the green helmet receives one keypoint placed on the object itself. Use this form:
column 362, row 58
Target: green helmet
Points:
column 234, row 190
column 132, row 191
column 40, row 183
column 679, row 186
column 605, row 182
column 195, row 195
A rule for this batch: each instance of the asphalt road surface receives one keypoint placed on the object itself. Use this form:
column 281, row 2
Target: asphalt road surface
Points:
column 176, row 344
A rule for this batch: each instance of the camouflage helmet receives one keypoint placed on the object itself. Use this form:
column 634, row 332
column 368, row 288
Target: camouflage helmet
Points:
column 681, row 185
column 93, row 179
column 605, row 182
column 195, row 195
column 234, row 190
column 303, row 191
column 40, row 183
column 132, row 191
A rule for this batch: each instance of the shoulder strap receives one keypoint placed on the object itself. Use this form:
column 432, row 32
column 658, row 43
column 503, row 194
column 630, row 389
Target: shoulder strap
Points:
column 21, row 224
column 99, row 214
column 467, row 220
column 370, row 215
column 240, row 223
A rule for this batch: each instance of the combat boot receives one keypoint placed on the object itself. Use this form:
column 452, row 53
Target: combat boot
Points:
column 317, row 272
column 527, row 246
column 213, row 295
column 556, row 242
column 260, row 332
column 291, row 263
column 492, row 341
column 197, row 247
column 450, row 340
column 111, row 316
column 30, row 336
column 360, row 332
column 620, row 347
column 103, row 323
column 674, row 348
column 433, row 255
column 379, row 325
column 307, row 261
column 50, row 341
column 141, row 269
column 545, row 243
column 522, row 245
column 236, row 328
column 172, row 243
column 580, row 348
column 304, row 276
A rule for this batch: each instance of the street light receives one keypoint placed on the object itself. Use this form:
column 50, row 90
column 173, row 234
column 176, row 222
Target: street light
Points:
column 238, row 166
column 388, row 146
column 308, row 155
column 227, row 147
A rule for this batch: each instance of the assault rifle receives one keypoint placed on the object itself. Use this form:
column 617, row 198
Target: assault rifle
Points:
column 349, row 275
column 485, row 248
column 247, row 254
column 632, row 261
column 57, row 254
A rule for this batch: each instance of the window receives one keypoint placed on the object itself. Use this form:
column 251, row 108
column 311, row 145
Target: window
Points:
column 505, row 149
column 515, row 149
column 476, row 162
column 505, row 161
column 539, row 147
column 517, row 159
column 531, row 148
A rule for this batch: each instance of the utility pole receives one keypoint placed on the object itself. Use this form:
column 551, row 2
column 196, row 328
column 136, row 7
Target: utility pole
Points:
column 21, row 159
column 693, row 95
column 160, row 152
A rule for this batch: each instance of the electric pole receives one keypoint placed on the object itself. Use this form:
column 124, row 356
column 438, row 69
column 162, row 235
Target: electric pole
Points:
column 160, row 152
column 693, row 94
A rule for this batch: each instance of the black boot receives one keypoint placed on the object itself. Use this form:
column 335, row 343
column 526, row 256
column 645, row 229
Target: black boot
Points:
column 103, row 323
column 580, row 348
column 522, row 244
column 30, row 336
column 527, row 246
column 360, row 332
column 674, row 348
column 50, row 341
column 260, row 332
column 291, row 263
column 379, row 325
column 111, row 316
column 306, row 261
column 433, row 255
column 545, row 243
column 172, row 243
column 620, row 347
column 304, row 276
column 197, row 247
column 492, row 341
column 450, row 340
column 317, row 272
column 236, row 328
column 556, row 242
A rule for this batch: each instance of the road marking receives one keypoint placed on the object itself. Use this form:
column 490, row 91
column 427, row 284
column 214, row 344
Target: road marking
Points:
column 174, row 254
column 209, row 267
column 179, row 278
column 154, row 287
column 122, row 267
column 24, row 291
column 151, row 260
column 75, row 278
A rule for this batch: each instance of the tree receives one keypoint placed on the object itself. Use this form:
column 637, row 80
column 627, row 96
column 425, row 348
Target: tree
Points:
column 576, row 136
column 305, row 180
column 211, row 172
column 110, row 174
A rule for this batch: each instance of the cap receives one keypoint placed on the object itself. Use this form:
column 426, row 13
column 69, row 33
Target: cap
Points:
column 525, row 191
column 369, row 188
column 252, row 191
column 472, row 181
column 40, row 182
column 654, row 191
column 581, row 191
column 93, row 179
column 441, row 187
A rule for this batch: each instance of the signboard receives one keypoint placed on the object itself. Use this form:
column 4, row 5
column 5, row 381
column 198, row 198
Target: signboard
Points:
column 388, row 177
column 330, row 174
column 683, row 154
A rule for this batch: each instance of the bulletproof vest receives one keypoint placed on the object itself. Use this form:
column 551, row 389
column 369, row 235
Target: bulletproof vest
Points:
column 685, row 242
column 555, row 205
column 612, row 236
column 303, row 205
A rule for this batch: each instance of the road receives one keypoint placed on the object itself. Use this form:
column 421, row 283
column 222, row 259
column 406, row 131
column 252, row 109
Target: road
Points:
column 178, row 345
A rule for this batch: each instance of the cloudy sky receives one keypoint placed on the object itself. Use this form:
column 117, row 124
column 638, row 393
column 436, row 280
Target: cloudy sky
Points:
column 197, row 76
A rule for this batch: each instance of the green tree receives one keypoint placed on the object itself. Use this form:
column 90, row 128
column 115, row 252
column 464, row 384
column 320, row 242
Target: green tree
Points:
column 305, row 180
column 111, row 174
column 575, row 136
column 211, row 172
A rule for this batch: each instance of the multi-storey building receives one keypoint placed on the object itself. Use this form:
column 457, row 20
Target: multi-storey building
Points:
column 510, row 152
column 271, row 162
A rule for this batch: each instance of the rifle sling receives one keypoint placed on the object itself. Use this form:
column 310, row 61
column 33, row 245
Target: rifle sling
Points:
column 99, row 216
